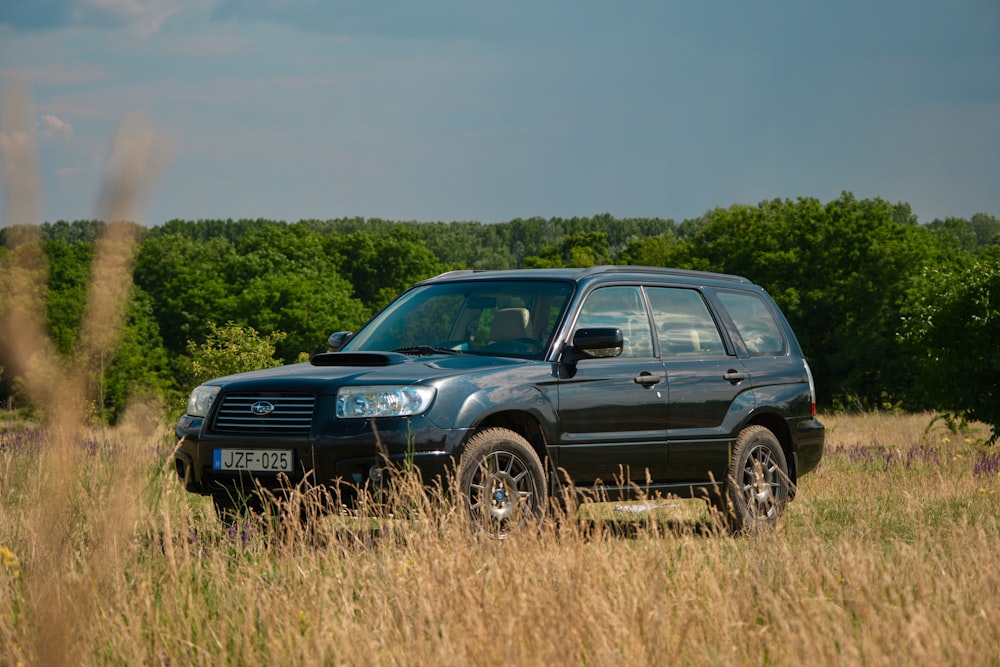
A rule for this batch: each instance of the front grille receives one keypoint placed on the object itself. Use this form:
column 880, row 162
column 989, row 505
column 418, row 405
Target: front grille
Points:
column 291, row 414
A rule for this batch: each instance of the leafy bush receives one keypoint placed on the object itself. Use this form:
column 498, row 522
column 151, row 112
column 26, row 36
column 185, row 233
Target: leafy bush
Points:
column 233, row 349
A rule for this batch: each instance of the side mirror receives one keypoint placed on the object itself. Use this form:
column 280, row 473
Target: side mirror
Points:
column 338, row 340
column 596, row 343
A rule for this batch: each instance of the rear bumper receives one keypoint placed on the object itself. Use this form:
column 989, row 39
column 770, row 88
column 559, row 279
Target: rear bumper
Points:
column 809, row 436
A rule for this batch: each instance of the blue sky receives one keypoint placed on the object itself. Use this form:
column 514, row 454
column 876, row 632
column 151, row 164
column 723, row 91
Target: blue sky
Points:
column 462, row 110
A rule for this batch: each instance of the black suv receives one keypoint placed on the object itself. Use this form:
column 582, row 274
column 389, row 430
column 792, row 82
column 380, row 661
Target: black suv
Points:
column 519, row 385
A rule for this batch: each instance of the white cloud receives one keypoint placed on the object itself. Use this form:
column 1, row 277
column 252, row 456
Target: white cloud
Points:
column 52, row 128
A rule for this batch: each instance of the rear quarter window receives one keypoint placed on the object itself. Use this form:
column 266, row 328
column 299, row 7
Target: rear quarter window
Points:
column 754, row 322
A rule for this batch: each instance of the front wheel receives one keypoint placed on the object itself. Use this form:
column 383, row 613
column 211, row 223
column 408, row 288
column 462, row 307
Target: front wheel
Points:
column 757, row 484
column 502, row 482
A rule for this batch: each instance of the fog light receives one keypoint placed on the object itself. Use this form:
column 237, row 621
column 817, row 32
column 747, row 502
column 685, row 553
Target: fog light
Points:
column 376, row 474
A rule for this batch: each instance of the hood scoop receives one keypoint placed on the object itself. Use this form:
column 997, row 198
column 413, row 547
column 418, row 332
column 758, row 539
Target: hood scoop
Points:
column 358, row 359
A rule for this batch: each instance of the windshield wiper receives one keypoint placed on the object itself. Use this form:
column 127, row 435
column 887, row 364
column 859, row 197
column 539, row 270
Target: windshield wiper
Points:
column 421, row 350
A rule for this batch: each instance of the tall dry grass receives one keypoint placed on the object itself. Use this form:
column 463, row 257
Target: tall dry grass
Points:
column 887, row 556
column 62, row 389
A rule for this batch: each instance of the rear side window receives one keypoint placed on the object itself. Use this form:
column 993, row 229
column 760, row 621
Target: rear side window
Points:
column 755, row 323
column 683, row 324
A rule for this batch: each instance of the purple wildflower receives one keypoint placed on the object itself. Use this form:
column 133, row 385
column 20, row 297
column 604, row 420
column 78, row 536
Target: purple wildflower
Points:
column 988, row 464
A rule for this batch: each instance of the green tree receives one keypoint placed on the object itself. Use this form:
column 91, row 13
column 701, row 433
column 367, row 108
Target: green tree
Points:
column 139, row 367
column 190, row 284
column 662, row 250
column 951, row 330
column 86, row 231
column 269, row 276
column 578, row 250
column 956, row 233
column 69, row 275
column 986, row 228
column 289, row 282
column 380, row 265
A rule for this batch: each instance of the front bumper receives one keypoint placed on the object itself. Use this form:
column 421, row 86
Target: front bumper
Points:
column 344, row 458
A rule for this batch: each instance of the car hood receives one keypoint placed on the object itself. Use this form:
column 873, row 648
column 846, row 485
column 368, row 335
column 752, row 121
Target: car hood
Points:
column 327, row 372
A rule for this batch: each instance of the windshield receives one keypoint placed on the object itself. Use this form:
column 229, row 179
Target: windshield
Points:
column 515, row 318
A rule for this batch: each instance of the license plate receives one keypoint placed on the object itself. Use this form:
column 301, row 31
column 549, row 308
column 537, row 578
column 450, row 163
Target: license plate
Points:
column 253, row 460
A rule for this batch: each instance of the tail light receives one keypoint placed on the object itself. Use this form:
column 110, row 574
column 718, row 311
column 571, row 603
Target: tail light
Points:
column 812, row 387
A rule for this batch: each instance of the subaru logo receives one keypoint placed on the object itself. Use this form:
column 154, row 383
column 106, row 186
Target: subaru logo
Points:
column 261, row 408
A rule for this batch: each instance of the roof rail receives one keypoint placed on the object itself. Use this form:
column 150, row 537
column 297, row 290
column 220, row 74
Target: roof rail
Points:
column 456, row 272
column 663, row 271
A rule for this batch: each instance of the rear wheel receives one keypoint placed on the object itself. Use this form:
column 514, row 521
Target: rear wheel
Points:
column 757, row 484
column 502, row 482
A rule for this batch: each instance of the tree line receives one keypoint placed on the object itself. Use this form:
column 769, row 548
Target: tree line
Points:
column 891, row 313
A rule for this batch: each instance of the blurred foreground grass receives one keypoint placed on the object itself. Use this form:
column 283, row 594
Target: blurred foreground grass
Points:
column 887, row 556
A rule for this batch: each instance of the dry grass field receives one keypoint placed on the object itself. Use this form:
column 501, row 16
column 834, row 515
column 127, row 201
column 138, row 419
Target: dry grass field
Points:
column 888, row 556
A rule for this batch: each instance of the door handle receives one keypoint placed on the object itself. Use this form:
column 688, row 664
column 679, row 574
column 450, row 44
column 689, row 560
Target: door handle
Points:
column 734, row 376
column 647, row 379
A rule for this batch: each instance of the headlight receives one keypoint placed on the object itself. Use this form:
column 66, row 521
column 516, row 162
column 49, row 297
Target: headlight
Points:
column 201, row 400
column 384, row 401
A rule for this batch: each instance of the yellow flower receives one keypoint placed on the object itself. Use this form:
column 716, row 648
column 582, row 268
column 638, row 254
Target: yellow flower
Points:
column 9, row 562
column 8, row 558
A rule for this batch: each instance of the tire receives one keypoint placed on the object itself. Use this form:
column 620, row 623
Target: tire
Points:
column 501, row 482
column 757, row 484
